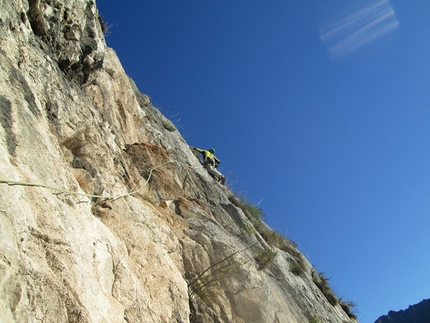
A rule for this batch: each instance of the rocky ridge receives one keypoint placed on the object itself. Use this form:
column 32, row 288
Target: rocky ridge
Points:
column 105, row 213
column 418, row 313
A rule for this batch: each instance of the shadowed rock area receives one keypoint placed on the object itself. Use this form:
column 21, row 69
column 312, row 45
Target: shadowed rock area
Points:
column 106, row 215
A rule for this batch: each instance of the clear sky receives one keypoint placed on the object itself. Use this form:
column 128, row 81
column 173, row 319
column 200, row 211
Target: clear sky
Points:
column 318, row 109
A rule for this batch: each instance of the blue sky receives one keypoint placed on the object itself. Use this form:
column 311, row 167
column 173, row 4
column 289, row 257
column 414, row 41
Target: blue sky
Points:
column 318, row 110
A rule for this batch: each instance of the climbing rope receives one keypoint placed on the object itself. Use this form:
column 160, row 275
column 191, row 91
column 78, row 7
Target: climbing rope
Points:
column 107, row 197
column 62, row 190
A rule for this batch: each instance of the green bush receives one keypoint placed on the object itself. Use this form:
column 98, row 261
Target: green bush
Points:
column 249, row 228
column 253, row 212
column 296, row 269
column 275, row 239
column 168, row 126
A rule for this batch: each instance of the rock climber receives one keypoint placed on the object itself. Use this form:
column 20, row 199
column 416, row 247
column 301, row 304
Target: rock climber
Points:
column 210, row 162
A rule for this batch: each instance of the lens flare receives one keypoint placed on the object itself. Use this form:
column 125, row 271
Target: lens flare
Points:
column 357, row 28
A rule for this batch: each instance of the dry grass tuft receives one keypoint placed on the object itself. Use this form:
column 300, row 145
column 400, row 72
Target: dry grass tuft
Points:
column 266, row 258
column 322, row 283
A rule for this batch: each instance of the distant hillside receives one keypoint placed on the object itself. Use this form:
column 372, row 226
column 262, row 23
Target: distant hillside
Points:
column 419, row 313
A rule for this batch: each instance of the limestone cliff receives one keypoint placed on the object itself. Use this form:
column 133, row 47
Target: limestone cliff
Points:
column 105, row 213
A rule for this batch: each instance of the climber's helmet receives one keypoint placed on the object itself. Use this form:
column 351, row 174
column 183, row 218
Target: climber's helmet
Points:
column 212, row 151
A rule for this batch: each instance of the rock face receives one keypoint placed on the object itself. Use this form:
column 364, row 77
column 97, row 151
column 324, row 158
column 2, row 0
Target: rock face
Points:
column 419, row 313
column 102, row 219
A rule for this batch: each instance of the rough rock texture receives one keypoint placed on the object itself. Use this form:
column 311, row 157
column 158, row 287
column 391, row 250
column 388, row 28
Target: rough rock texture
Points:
column 102, row 219
column 418, row 313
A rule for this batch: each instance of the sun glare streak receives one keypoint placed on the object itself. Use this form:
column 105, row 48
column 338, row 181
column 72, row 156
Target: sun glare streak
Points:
column 347, row 34
column 360, row 37
column 350, row 20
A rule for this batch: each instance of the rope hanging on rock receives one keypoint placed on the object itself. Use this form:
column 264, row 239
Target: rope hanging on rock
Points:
column 62, row 190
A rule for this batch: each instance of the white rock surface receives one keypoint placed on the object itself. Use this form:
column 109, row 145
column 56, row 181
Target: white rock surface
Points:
column 101, row 218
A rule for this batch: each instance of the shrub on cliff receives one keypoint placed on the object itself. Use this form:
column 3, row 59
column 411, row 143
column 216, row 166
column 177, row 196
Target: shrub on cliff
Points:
column 322, row 283
column 266, row 258
column 253, row 212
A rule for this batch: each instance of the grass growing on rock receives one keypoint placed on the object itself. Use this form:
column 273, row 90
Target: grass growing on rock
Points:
column 313, row 320
column 168, row 126
column 322, row 283
column 296, row 269
column 274, row 239
column 206, row 283
column 349, row 308
column 253, row 212
column 266, row 258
